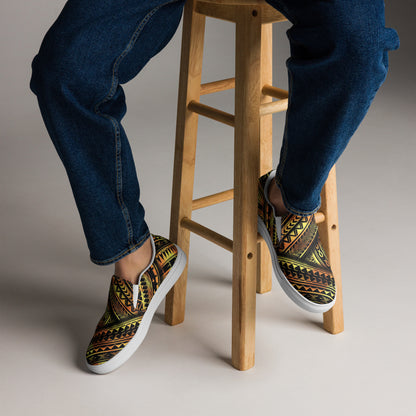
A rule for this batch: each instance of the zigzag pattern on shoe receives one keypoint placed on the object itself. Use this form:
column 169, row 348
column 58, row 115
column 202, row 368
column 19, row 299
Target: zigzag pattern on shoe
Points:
column 303, row 259
column 299, row 252
column 121, row 320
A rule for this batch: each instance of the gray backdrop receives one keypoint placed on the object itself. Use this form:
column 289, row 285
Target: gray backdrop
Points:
column 52, row 295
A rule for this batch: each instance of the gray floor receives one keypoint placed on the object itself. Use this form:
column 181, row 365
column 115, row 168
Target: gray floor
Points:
column 52, row 295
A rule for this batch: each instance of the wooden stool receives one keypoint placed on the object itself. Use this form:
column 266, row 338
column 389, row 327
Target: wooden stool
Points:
column 252, row 158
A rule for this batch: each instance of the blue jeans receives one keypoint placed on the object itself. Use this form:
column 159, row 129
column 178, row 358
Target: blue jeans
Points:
column 338, row 61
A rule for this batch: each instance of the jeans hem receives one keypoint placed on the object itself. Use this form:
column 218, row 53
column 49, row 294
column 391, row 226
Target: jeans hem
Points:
column 288, row 205
column 123, row 253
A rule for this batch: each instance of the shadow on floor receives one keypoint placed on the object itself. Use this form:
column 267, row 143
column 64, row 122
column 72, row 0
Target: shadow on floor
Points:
column 51, row 307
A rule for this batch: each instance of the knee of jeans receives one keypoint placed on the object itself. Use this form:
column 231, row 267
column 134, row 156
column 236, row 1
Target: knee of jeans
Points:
column 368, row 59
column 41, row 76
column 345, row 37
column 363, row 41
column 58, row 70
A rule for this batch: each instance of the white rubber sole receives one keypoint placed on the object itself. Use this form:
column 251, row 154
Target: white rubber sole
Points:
column 168, row 282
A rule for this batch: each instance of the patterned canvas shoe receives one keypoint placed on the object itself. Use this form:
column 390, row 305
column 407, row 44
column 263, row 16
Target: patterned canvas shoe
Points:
column 299, row 260
column 130, row 308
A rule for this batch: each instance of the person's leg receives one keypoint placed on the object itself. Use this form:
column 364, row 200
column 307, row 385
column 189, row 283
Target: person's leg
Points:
column 88, row 52
column 338, row 62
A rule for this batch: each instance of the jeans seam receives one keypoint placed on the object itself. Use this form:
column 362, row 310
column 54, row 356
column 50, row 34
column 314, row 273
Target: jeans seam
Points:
column 124, row 252
column 116, row 124
column 282, row 163
column 283, row 158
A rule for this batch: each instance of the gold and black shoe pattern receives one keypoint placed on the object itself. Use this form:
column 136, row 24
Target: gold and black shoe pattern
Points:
column 299, row 258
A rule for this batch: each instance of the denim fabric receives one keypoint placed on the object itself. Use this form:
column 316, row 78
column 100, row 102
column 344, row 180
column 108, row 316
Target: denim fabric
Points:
column 338, row 61
column 92, row 48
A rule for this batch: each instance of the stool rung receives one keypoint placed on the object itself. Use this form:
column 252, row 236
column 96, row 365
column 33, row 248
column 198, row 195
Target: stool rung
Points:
column 217, row 86
column 211, row 112
column 274, row 92
column 211, row 235
column 273, row 107
column 223, row 196
column 319, row 217
column 207, row 233
column 213, row 199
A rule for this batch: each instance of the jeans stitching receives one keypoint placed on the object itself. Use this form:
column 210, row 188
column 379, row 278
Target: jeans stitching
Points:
column 280, row 168
column 282, row 163
column 110, row 94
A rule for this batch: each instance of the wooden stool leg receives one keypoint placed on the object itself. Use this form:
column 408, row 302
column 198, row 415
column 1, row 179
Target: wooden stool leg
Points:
column 329, row 234
column 246, row 170
column 264, row 264
column 185, row 148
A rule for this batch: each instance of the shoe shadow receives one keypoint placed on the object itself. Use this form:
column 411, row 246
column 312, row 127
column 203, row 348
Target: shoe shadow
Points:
column 301, row 321
column 205, row 347
column 52, row 310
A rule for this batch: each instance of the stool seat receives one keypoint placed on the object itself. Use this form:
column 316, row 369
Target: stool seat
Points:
column 231, row 10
